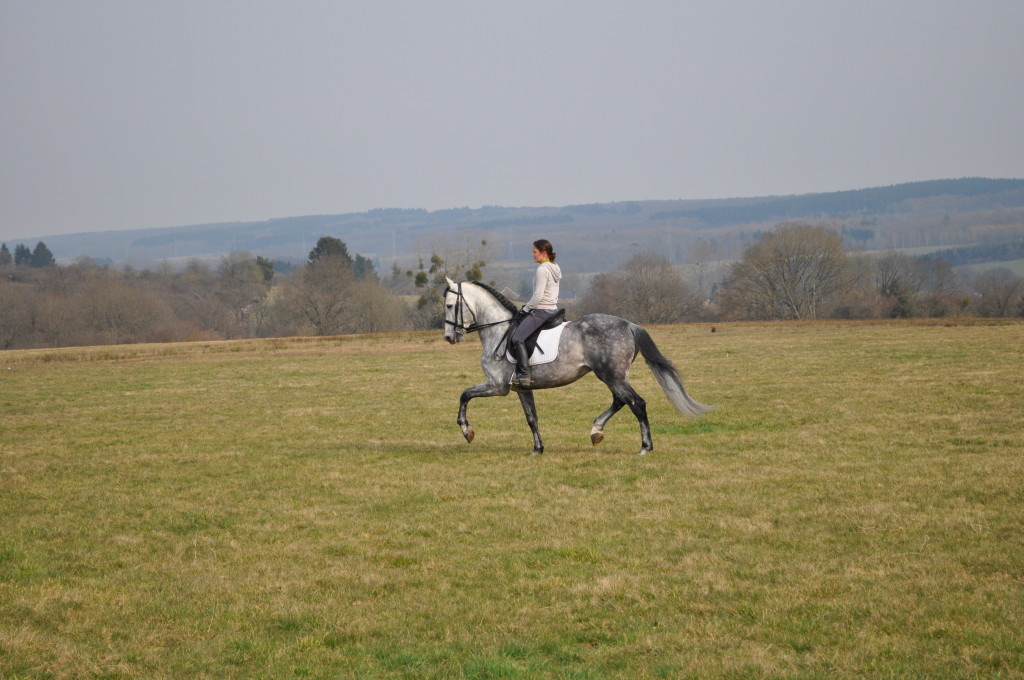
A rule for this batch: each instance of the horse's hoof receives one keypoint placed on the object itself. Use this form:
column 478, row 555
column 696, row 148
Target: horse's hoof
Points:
column 643, row 452
column 469, row 434
column 596, row 438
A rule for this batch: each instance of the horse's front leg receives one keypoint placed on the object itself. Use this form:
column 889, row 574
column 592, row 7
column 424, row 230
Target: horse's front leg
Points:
column 487, row 389
column 530, row 409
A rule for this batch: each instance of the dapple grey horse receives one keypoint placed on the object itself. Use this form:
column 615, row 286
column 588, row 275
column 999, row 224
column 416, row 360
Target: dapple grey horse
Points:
column 604, row 344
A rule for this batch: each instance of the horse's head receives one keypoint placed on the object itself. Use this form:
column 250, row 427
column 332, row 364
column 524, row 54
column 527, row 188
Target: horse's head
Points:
column 455, row 326
column 473, row 307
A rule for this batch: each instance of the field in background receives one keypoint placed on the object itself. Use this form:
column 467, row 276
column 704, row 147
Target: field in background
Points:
column 308, row 508
column 1015, row 266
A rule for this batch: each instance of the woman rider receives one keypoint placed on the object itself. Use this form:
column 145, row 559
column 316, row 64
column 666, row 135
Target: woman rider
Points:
column 541, row 307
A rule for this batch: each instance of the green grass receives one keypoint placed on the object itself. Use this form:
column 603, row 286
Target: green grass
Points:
column 308, row 508
column 1016, row 266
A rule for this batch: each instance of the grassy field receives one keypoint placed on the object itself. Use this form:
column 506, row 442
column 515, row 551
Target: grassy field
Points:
column 1015, row 266
column 854, row 507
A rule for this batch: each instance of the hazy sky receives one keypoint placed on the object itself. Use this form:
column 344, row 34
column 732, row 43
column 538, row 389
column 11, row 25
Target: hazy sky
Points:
column 134, row 114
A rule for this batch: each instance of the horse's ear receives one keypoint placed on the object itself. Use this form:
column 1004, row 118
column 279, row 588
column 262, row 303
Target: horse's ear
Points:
column 451, row 284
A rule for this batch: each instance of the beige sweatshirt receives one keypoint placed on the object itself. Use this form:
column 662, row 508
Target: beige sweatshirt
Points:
column 545, row 287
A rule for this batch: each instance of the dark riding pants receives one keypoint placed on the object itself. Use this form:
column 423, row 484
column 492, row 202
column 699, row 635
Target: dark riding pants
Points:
column 534, row 320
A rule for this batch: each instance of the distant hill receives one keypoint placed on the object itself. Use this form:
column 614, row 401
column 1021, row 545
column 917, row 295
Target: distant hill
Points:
column 597, row 237
column 843, row 204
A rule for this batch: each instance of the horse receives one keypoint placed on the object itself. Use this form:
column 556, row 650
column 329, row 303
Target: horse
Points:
column 604, row 344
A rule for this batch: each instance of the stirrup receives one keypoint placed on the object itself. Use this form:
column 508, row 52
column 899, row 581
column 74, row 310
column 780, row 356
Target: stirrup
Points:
column 524, row 380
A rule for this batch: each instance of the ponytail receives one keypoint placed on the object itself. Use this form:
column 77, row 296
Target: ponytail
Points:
column 545, row 246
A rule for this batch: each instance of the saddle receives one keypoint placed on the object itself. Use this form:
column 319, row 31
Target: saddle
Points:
column 531, row 342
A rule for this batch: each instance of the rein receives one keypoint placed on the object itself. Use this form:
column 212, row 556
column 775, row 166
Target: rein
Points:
column 459, row 323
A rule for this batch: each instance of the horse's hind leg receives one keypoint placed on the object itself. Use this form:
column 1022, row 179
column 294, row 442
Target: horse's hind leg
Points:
column 597, row 431
column 625, row 393
column 530, row 409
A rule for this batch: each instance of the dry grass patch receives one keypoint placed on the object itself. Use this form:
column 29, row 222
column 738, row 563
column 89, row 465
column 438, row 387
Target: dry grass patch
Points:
column 309, row 509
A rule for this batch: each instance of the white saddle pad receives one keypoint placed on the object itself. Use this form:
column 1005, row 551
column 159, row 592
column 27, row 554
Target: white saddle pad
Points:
column 547, row 346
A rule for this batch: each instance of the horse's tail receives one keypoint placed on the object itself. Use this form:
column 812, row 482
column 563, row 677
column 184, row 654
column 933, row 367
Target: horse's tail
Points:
column 667, row 375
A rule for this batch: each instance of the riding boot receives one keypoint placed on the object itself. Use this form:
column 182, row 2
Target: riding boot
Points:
column 522, row 375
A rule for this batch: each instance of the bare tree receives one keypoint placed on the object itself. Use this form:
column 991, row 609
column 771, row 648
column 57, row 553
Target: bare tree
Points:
column 655, row 291
column 321, row 294
column 191, row 294
column 899, row 280
column 943, row 288
column 999, row 292
column 58, row 321
column 120, row 311
column 241, row 288
column 647, row 290
column 798, row 271
column 601, row 295
column 701, row 256
column 15, row 319
column 374, row 310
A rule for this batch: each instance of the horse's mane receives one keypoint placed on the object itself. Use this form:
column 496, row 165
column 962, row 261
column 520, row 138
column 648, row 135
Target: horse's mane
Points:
column 505, row 302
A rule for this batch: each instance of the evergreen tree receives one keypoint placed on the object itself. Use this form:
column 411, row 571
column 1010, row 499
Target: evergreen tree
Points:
column 5, row 256
column 42, row 257
column 266, row 269
column 364, row 268
column 328, row 246
column 22, row 255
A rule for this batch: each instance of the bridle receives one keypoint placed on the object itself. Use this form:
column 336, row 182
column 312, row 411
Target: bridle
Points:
column 460, row 319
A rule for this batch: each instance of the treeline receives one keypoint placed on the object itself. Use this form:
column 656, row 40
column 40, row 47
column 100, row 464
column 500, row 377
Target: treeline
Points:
column 23, row 257
column 796, row 271
column 86, row 303
column 803, row 271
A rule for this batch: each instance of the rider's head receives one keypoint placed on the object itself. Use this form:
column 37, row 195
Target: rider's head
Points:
column 544, row 246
